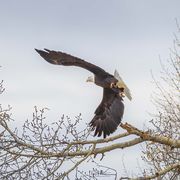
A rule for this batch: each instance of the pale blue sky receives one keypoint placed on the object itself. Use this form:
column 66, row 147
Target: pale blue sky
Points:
column 119, row 34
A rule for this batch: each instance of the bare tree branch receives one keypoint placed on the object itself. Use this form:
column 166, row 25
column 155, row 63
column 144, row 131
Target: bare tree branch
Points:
column 41, row 143
column 156, row 174
column 146, row 136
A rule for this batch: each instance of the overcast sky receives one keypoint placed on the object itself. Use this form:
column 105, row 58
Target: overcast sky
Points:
column 119, row 34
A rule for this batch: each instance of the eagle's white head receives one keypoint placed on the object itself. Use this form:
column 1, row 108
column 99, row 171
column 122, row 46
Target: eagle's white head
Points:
column 121, row 84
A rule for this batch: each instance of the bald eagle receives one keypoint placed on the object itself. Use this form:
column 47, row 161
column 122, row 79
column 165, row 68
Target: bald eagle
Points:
column 109, row 113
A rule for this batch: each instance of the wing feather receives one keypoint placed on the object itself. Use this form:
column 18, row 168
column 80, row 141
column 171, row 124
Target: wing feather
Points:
column 61, row 58
column 108, row 115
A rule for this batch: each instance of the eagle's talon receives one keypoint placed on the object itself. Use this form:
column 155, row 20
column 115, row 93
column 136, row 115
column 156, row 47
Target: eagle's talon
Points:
column 122, row 94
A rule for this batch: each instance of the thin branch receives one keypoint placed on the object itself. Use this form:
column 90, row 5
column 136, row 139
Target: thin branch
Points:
column 78, row 163
column 159, row 173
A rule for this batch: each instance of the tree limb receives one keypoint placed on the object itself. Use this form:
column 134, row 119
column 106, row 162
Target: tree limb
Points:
column 146, row 136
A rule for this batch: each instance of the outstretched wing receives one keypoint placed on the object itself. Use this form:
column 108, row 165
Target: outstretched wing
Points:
column 108, row 115
column 60, row 58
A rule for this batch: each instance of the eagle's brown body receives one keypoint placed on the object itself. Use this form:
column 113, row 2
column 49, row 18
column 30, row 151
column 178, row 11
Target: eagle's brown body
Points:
column 109, row 113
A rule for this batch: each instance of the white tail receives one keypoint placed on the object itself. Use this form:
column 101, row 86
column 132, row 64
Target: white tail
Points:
column 121, row 84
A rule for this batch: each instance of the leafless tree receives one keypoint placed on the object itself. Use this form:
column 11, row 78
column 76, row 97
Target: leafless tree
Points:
column 53, row 151
column 163, row 159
